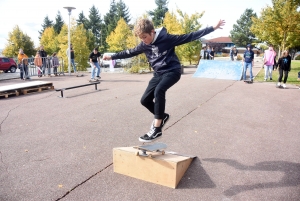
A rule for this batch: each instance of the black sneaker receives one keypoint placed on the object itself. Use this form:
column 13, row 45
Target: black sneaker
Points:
column 152, row 135
column 98, row 77
column 163, row 121
column 271, row 78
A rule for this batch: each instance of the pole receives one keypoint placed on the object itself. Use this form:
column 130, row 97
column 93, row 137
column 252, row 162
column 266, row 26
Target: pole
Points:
column 69, row 45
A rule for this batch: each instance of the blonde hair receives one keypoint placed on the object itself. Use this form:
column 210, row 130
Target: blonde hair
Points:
column 143, row 26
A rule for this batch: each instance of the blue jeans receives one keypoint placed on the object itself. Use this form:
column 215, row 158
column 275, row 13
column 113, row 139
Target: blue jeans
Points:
column 248, row 65
column 73, row 64
column 94, row 69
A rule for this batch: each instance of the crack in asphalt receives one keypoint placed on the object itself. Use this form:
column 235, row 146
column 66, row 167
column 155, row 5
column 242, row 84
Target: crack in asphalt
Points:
column 78, row 185
column 200, row 105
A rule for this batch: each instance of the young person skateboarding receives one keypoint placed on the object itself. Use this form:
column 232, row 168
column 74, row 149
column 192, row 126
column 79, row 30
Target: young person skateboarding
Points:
column 159, row 48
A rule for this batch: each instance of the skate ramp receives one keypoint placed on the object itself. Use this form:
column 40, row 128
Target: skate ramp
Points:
column 228, row 70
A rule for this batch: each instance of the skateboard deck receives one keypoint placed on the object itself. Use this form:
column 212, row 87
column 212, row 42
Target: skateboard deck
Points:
column 152, row 148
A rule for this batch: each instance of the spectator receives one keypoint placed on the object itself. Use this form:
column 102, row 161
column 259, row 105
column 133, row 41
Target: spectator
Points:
column 55, row 63
column 235, row 52
column 284, row 64
column 72, row 57
column 23, row 65
column 38, row 63
column 212, row 54
column 43, row 55
column 95, row 61
column 231, row 54
column 269, row 57
column 248, row 62
column 208, row 53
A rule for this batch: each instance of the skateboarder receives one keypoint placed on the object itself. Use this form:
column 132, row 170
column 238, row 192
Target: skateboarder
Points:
column 159, row 47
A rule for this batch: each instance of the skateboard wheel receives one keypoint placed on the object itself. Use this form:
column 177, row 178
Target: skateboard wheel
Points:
column 163, row 152
column 150, row 155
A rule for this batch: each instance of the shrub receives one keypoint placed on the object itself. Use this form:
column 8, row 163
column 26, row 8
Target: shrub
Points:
column 225, row 55
column 239, row 58
column 297, row 57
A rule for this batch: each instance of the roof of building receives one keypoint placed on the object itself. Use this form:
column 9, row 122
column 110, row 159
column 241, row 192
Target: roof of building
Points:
column 223, row 39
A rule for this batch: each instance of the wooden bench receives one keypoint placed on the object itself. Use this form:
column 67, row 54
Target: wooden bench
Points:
column 78, row 86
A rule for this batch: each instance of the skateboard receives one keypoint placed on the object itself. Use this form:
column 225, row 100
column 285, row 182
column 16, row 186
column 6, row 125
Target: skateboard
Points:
column 248, row 81
column 152, row 148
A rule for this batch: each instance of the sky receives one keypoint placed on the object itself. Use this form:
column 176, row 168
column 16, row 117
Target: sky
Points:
column 29, row 15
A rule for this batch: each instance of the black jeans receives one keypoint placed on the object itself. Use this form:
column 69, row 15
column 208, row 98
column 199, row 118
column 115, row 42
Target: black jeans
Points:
column 154, row 98
column 23, row 71
column 281, row 74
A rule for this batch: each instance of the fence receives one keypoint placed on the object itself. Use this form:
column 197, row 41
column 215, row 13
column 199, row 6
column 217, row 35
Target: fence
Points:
column 29, row 68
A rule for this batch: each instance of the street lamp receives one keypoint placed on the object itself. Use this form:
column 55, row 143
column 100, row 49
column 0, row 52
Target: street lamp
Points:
column 69, row 40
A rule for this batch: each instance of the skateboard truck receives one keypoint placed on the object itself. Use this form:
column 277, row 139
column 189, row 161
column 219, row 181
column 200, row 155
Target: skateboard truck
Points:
column 153, row 148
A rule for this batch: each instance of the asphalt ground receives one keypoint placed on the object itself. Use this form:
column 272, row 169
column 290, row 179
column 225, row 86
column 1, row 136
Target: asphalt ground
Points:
column 246, row 138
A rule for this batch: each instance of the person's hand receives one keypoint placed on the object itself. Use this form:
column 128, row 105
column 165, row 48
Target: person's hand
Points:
column 219, row 25
column 106, row 57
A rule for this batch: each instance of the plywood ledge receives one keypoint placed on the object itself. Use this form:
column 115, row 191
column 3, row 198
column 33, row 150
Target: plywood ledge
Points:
column 166, row 170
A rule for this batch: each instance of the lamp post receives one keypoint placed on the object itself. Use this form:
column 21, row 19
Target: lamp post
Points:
column 69, row 40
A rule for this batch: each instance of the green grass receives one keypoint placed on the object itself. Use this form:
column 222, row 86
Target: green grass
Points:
column 292, row 78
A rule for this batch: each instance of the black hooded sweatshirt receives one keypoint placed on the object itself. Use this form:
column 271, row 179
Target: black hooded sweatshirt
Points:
column 161, row 52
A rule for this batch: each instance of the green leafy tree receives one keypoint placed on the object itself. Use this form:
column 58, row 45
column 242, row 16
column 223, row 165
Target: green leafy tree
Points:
column 158, row 14
column 279, row 24
column 190, row 51
column 241, row 34
column 49, row 40
column 123, row 11
column 95, row 24
column 117, row 38
column 16, row 40
column 58, row 23
column 47, row 23
column 62, row 39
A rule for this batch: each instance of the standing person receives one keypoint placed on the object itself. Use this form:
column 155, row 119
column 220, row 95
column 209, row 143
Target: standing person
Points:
column 208, row 53
column 72, row 57
column 212, row 54
column 284, row 64
column 55, row 63
column 231, row 54
column 38, row 63
column 43, row 55
column 201, row 54
column 159, row 48
column 95, row 63
column 269, row 58
column 248, row 62
column 23, row 65
column 235, row 52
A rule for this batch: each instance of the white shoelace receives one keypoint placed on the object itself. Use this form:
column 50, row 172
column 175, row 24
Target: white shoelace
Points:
column 152, row 130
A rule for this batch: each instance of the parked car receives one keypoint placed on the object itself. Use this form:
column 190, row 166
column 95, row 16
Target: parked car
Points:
column 8, row 64
column 105, row 63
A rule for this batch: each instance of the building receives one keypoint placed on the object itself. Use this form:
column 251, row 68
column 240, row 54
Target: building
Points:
column 220, row 41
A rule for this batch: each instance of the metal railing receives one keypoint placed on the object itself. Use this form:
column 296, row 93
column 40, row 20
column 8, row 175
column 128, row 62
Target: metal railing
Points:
column 28, row 68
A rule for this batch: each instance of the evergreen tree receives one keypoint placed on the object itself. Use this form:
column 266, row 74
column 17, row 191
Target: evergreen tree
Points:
column 47, row 23
column 82, row 20
column 159, row 13
column 95, row 24
column 241, row 34
column 111, row 18
column 58, row 23
column 123, row 11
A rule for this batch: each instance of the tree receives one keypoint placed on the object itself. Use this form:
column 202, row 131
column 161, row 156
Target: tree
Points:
column 82, row 20
column 49, row 40
column 190, row 23
column 241, row 34
column 159, row 13
column 47, row 23
column 58, row 23
column 62, row 39
column 111, row 18
column 95, row 24
column 279, row 24
column 80, row 45
column 123, row 11
column 117, row 40
column 16, row 40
